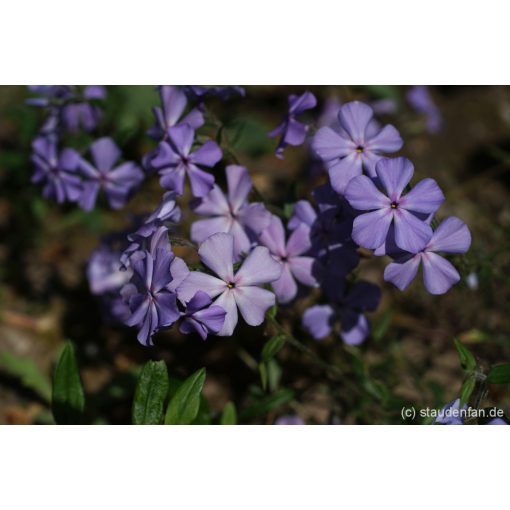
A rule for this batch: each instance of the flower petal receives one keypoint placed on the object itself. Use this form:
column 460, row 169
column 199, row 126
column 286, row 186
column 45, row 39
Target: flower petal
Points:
column 274, row 237
column 303, row 269
column 317, row 320
column 201, row 182
column 179, row 271
column 394, row 174
column 196, row 281
column 228, row 303
column 411, row 234
column 285, row 288
column 253, row 303
column 402, row 272
column 387, row 140
column 104, row 153
column 181, row 138
column 343, row 171
column 354, row 327
column 239, row 185
column 354, row 118
column 255, row 217
column 425, row 197
column 451, row 236
column 217, row 253
column 362, row 194
column 328, row 144
column 438, row 274
column 258, row 268
column 370, row 229
column 214, row 203
column 202, row 229
column 299, row 241
column 207, row 155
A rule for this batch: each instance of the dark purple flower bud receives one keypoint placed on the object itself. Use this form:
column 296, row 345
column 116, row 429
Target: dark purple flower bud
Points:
column 231, row 213
column 175, row 160
column 201, row 317
column 356, row 144
column 405, row 212
column 57, row 172
column 153, row 305
column 117, row 182
column 421, row 100
column 291, row 131
column 233, row 290
column 439, row 275
column 347, row 307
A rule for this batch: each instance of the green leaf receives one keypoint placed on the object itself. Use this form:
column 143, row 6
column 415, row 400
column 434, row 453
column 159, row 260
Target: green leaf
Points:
column 273, row 347
column 271, row 313
column 467, row 389
column 382, row 326
column 500, row 374
column 229, row 415
column 268, row 403
column 150, row 394
column 184, row 406
column 263, row 375
column 467, row 360
column 249, row 136
column 68, row 400
column 26, row 370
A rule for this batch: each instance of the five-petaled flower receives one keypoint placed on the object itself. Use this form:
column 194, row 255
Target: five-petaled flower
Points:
column 412, row 233
column 451, row 236
column 117, row 182
column 357, row 144
column 233, row 290
column 175, row 159
column 232, row 214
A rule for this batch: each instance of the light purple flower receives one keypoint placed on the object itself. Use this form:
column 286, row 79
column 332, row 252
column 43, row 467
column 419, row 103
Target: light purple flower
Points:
column 497, row 421
column 232, row 214
column 173, row 104
column 371, row 229
column 289, row 419
column 201, row 317
column 175, row 159
column 104, row 271
column 295, row 266
column 451, row 236
column 233, row 291
column 421, row 100
column 347, row 307
column 117, row 182
column 57, row 172
column 451, row 414
column 153, row 305
column 355, row 145
column 291, row 131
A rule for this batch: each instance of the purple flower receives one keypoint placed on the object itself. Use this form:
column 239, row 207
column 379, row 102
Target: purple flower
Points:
column 104, row 271
column 153, row 305
column 173, row 104
column 202, row 318
column 357, row 144
column 117, row 183
column 154, row 240
column 451, row 414
column 295, row 266
column 291, row 131
column 451, row 236
column 56, row 172
column 233, row 291
column 420, row 99
column 232, row 214
column 289, row 419
column 347, row 307
column 497, row 421
column 175, row 159
column 371, row 229
column 198, row 93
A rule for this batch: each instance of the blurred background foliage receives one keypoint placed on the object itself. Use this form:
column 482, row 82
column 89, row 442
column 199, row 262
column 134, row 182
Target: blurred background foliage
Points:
column 409, row 359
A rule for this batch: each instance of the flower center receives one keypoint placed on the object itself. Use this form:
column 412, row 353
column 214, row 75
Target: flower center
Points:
column 394, row 205
column 231, row 285
column 359, row 149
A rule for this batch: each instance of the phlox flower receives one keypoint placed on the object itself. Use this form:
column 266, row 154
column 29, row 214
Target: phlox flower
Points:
column 421, row 100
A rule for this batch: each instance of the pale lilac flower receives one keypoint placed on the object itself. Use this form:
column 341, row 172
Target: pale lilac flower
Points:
column 295, row 266
column 57, row 172
column 117, row 182
column 451, row 236
column 355, row 145
column 289, row 419
column 421, row 100
column 175, row 159
column 104, row 271
column 233, row 290
column 371, row 229
column 291, row 131
column 171, row 112
column 347, row 307
column 153, row 305
column 231, row 213
column 451, row 414
column 201, row 317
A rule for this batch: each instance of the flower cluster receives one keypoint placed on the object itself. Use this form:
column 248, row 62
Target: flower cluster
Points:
column 250, row 257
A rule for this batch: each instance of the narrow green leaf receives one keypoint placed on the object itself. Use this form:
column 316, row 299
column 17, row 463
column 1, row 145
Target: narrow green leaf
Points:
column 150, row 394
column 68, row 400
column 467, row 360
column 271, row 313
column 500, row 374
column 229, row 415
column 382, row 326
column 263, row 375
column 268, row 403
column 467, row 389
column 273, row 347
column 183, row 407
column 26, row 370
